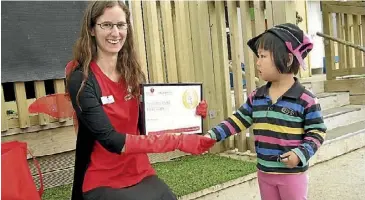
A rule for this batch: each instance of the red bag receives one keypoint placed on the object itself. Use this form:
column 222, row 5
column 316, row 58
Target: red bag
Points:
column 16, row 180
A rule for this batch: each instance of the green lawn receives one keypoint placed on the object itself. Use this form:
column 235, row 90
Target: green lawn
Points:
column 185, row 175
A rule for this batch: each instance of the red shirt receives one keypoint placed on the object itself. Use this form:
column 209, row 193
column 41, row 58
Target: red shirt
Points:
column 110, row 169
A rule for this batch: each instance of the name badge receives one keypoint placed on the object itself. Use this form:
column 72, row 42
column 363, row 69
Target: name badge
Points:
column 107, row 99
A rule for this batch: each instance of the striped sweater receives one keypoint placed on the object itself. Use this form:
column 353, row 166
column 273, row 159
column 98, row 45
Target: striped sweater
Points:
column 293, row 123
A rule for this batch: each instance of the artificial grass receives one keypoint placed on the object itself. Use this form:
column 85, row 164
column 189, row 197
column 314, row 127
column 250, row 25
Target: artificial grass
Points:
column 184, row 175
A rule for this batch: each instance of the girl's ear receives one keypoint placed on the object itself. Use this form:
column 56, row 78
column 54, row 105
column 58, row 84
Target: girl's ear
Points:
column 290, row 61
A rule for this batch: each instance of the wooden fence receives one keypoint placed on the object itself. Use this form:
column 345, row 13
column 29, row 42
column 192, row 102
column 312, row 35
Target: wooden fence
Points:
column 177, row 42
column 346, row 21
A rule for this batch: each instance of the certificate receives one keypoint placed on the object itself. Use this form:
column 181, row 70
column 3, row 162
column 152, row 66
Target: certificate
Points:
column 170, row 108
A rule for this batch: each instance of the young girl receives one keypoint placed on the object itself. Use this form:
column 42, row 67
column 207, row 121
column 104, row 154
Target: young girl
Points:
column 286, row 118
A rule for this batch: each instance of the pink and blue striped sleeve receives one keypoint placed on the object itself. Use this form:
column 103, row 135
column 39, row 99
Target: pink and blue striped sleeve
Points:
column 236, row 123
column 314, row 130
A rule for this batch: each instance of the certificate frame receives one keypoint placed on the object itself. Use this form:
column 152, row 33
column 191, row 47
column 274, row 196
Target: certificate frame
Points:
column 145, row 88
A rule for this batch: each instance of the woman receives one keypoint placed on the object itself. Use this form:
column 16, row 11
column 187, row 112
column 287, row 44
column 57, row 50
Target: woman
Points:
column 111, row 156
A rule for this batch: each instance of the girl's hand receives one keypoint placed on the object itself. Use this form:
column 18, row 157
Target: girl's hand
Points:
column 290, row 159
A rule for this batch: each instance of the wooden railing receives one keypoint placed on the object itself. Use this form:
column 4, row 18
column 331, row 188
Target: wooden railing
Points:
column 346, row 21
column 182, row 42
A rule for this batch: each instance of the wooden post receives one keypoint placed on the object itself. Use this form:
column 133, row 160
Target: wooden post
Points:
column 341, row 47
column 153, row 44
column 248, row 59
column 59, row 87
column 283, row 12
column 209, row 71
column 21, row 102
column 139, row 34
column 167, row 28
column 185, row 68
column 329, row 46
column 195, row 39
column 40, row 91
column 357, row 40
column 4, row 115
column 363, row 35
column 220, row 63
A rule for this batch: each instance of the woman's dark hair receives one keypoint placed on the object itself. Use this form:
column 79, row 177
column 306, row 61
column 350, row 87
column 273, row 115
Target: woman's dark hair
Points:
column 280, row 54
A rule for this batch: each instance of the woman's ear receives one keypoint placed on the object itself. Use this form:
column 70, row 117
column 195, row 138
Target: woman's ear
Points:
column 290, row 60
column 92, row 32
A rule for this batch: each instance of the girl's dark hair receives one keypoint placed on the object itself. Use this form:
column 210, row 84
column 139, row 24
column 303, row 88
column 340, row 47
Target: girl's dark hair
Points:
column 280, row 54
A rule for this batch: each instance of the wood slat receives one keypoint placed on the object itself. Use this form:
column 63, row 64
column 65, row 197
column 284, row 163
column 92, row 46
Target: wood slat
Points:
column 153, row 44
column 195, row 32
column 329, row 46
column 235, row 53
column 220, row 63
column 40, row 91
column 209, row 72
column 220, row 53
column 269, row 14
column 357, row 40
column 162, row 42
column 341, row 48
column 241, row 140
column 185, row 70
column 22, row 107
column 259, row 25
column 59, row 87
column 248, row 60
column 363, row 36
column 347, row 30
column 137, row 21
column 301, row 8
column 189, row 44
column 4, row 115
column 167, row 26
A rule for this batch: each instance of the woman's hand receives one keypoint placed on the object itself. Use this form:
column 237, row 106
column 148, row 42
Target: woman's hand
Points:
column 195, row 144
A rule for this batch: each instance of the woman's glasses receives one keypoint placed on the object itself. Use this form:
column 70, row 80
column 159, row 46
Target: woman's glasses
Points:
column 109, row 25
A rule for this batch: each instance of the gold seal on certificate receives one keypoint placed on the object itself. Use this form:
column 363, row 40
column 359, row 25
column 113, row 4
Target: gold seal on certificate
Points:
column 170, row 108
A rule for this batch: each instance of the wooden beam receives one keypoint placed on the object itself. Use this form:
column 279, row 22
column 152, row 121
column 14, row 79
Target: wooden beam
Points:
column 363, row 35
column 220, row 64
column 354, row 86
column 210, row 72
column 185, row 70
column 137, row 21
column 153, row 44
column 347, row 29
column 47, row 142
column 358, row 99
column 21, row 101
column 340, row 35
column 195, row 39
column 40, row 91
column 169, row 42
column 357, row 40
column 236, row 66
column 353, row 10
column 329, row 46
column 59, row 88
column 4, row 115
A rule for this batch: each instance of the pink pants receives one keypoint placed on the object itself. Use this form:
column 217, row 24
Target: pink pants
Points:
column 283, row 186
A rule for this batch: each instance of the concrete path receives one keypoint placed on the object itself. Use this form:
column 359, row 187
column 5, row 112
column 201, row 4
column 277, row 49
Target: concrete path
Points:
column 342, row 178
